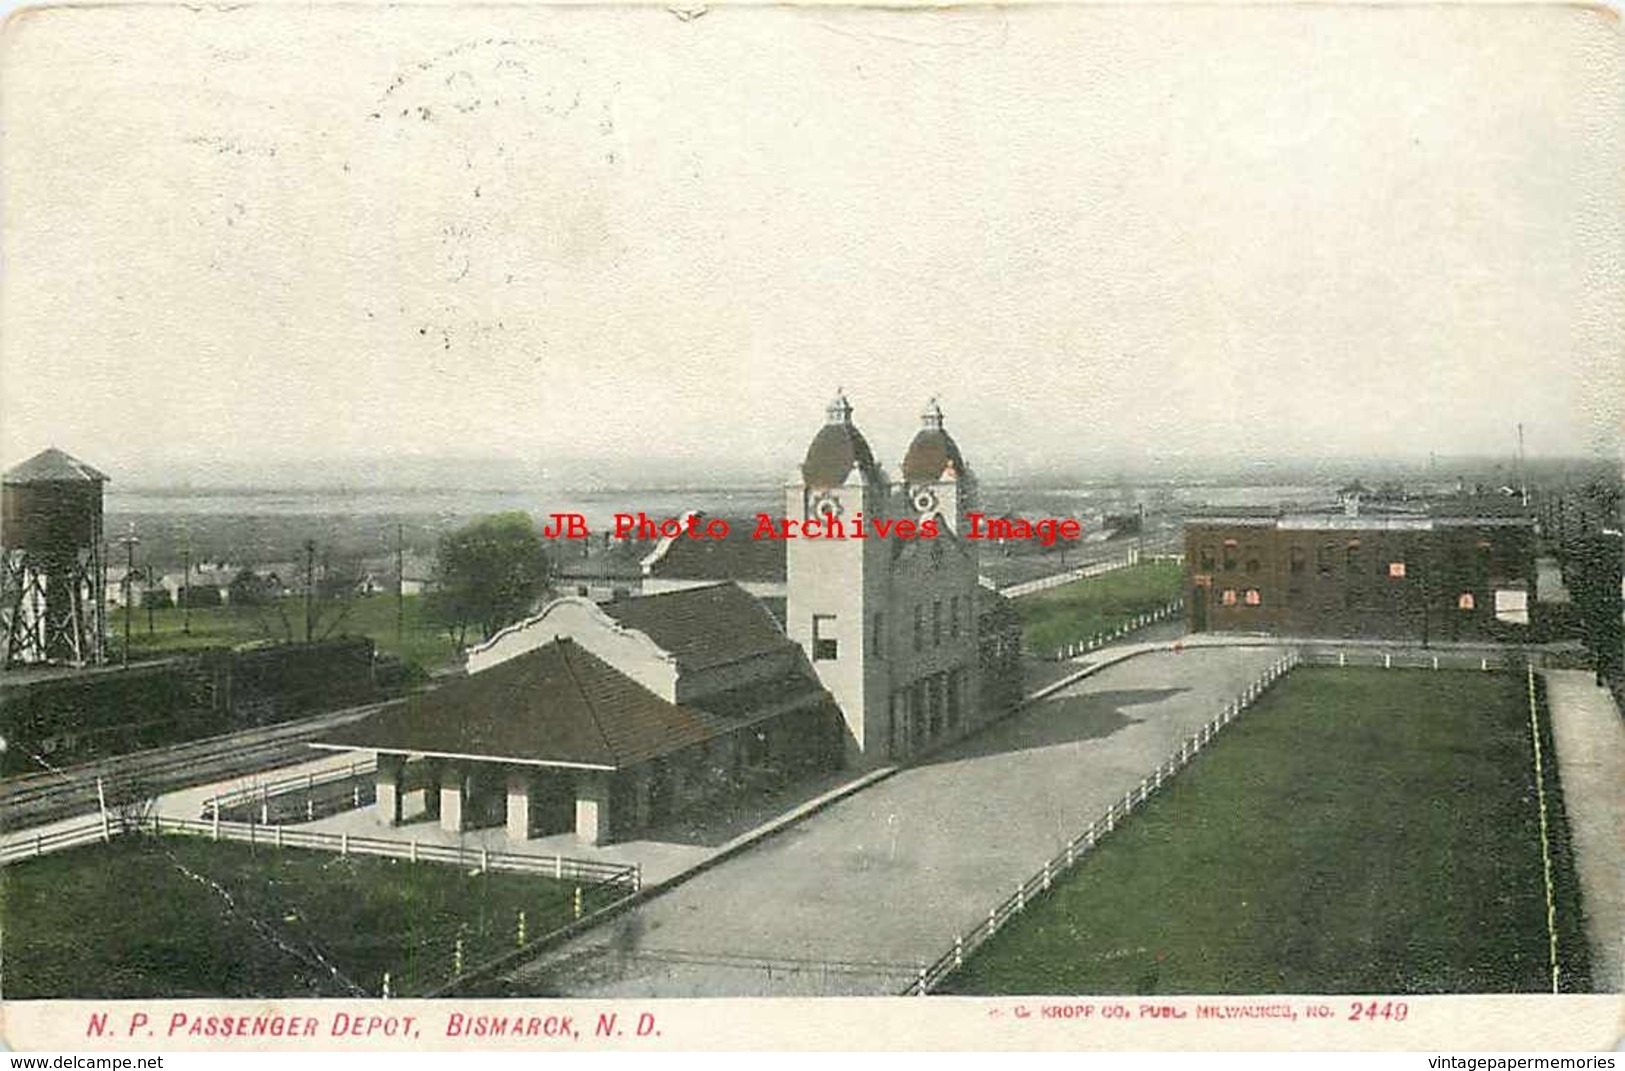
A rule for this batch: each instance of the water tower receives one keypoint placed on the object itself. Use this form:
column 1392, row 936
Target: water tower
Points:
column 51, row 540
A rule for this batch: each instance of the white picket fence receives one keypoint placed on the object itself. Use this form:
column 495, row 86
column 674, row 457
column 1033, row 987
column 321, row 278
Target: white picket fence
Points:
column 558, row 867
column 1134, row 624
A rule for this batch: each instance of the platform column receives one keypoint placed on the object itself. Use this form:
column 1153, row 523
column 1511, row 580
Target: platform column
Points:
column 592, row 807
column 521, row 796
column 388, row 781
column 453, row 797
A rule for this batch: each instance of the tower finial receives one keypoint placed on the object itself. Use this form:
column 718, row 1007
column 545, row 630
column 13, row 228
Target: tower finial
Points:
column 840, row 410
column 932, row 417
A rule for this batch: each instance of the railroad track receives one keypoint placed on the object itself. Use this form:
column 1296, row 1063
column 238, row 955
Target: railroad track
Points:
column 64, row 793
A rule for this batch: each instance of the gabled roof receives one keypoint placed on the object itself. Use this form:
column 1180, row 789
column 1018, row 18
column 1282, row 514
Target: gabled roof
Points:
column 738, row 557
column 558, row 705
column 54, row 466
column 702, row 626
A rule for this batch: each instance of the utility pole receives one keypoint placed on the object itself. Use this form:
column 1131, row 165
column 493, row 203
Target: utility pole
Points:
column 129, row 540
column 1523, row 481
column 310, row 588
column 186, row 583
column 400, row 588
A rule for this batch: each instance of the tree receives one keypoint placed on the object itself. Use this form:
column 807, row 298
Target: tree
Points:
column 488, row 574
column 248, row 588
column 1593, row 577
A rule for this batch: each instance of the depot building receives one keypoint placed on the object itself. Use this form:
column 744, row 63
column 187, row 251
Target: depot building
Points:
column 603, row 719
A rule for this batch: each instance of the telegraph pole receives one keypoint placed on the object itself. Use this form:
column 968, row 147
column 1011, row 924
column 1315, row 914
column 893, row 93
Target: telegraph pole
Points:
column 186, row 584
column 129, row 540
column 310, row 588
column 400, row 588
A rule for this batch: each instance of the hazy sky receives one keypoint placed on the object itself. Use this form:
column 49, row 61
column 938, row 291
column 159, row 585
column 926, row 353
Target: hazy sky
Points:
column 296, row 232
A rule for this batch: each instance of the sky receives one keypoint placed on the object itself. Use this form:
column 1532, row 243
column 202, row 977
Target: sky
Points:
column 283, row 234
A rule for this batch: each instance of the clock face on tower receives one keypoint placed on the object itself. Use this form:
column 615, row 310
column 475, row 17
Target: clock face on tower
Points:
column 823, row 504
column 924, row 500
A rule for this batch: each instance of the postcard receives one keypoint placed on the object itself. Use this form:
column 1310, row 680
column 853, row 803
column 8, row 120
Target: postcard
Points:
column 558, row 527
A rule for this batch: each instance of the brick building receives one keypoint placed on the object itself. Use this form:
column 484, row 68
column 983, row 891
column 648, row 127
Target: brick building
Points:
column 1459, row 569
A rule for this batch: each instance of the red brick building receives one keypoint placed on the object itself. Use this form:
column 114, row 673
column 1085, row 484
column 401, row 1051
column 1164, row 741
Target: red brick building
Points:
column 1457, row 570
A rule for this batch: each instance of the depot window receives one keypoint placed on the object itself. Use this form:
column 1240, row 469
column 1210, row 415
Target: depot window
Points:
column 1229, row 554
column 825, row 649
column 1254, row 597
column 1396, row 570
column 1465, row 601
column 1229, row 597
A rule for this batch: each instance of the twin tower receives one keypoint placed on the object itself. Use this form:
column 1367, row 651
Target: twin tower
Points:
column 890, row 625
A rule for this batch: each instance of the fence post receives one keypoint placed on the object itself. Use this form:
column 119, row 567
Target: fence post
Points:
column 485, row 858
column 520, row 940
column 457, row 957
column 39, row 844
column 558, row 868
column 1342, row 658
column 355, row 795
column 1387, row 660
column 414, row 851
column 920, row 991
column 1071, row 856
column 344, row 845
column 385, row 993
column 216, row 819
column 992, row 920
column 278, row 835
column 578, row 901
column 1484, row 663
column 959, row 950
column 1021, row 898
column 1435, row 661
column 1046, row 874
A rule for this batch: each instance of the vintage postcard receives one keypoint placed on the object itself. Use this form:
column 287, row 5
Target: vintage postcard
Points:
column 812, row 526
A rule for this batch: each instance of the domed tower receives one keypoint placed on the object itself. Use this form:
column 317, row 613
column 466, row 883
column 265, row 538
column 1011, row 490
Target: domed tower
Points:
column 51, row 537
column 836, row 584
column 936, row 479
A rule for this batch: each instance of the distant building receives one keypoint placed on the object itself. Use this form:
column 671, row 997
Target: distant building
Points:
column 1461, row 569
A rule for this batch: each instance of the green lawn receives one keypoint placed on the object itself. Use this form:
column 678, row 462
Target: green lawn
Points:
column 420, row 641
column 181, row 916
column 1076, row 611
column 1357, row 831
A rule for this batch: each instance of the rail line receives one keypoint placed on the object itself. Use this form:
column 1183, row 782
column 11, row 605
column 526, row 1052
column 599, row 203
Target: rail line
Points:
column 63, row 793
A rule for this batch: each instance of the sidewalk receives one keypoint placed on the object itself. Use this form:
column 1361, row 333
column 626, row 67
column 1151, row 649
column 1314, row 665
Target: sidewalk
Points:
column 1590, row 741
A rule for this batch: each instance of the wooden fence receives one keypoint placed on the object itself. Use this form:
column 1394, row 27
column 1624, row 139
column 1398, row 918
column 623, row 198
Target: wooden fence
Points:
column 558, row 867
column 929, row 977
column 1134, row 624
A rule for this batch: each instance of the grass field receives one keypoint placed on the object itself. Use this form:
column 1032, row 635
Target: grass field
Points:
column 184, row 917
column 421, row 641
column 1081, row 609
column 1359, row 831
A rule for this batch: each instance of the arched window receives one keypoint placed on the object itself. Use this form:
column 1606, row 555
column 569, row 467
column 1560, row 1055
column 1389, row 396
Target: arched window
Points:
column 1465, row 601
column 1254, row 597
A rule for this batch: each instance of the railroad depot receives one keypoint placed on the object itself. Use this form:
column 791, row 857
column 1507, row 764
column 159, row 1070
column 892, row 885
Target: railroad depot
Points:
column 610, row 717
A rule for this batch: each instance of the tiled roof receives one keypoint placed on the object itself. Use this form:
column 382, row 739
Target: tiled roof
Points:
column 54, row 466
column 929, row 454
column 837, row 448
column 738, row 557
column 559, row 704
column 703, row 626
